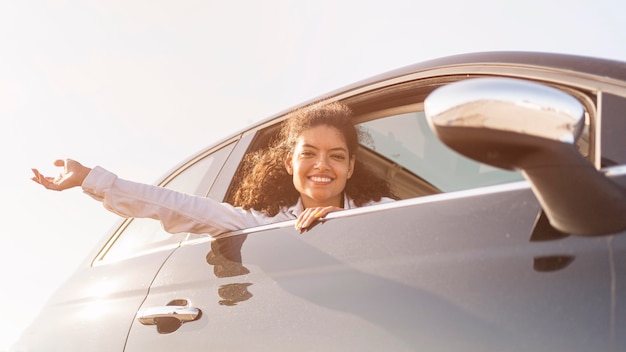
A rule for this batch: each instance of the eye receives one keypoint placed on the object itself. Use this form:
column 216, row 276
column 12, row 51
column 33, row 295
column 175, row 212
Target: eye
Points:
column 306, row 153
column 338, row 157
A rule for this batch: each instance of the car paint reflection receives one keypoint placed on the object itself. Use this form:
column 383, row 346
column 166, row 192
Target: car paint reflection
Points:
column 551, row 263
column 225, row 257
column 234, row 293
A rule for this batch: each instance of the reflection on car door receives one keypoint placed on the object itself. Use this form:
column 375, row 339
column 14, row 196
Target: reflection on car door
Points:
column 95, row 307
column 459, row 271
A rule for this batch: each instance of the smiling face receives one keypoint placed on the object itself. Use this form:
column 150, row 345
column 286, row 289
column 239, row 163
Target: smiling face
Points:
column 320, row 165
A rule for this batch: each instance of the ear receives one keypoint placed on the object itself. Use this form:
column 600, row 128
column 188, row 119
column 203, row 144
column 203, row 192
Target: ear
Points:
column 351, row 167
column 288, row 165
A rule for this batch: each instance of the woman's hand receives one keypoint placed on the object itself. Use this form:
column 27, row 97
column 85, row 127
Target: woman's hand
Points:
column 72, row 175
column 310, row 216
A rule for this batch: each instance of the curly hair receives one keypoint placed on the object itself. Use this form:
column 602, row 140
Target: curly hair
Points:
column 267, row 186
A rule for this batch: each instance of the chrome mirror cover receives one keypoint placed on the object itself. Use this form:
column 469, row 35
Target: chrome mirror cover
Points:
column 523, row 125
column 503, row 104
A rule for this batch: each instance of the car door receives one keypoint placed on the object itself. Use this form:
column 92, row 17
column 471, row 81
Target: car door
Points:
column 411, row 275
column 464, row 260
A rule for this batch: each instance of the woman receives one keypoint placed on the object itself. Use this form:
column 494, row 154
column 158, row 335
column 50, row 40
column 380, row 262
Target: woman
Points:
column 311, row 171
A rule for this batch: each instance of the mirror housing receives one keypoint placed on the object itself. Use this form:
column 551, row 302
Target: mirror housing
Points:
column 520, row 125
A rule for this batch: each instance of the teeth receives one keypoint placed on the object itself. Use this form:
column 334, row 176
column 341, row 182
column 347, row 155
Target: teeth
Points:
column 321, row 179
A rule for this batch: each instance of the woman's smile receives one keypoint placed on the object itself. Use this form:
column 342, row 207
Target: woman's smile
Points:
column 320, row 179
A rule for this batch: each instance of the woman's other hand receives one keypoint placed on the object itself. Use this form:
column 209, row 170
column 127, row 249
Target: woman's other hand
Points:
column 72, row 175
column 310, row 216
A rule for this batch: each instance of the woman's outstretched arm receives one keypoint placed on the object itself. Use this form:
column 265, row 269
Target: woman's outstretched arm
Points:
column 177, row 212
column 72, row 175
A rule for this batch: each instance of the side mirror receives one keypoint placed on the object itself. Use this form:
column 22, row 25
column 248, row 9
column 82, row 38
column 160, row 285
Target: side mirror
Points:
column 517, row 124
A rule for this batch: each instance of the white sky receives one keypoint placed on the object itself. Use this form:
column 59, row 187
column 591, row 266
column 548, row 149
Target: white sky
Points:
column 138, row 85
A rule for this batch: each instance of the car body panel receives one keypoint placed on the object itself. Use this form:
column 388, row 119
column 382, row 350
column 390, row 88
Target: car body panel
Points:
column 434, row 280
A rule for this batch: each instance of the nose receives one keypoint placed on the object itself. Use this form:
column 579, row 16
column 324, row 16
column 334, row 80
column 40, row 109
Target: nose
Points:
column 321, row 163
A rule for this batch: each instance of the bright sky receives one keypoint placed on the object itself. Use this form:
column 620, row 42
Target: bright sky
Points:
column 139, row 85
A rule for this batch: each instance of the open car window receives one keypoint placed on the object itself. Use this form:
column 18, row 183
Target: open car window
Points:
column 401, row 148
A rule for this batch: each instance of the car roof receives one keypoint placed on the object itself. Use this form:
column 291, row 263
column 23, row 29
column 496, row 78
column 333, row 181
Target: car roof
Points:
column 600, row 67
column 611, row 69
column 582, row 64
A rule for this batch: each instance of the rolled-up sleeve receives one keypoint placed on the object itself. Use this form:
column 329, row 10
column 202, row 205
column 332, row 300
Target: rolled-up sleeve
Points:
column 177, row 212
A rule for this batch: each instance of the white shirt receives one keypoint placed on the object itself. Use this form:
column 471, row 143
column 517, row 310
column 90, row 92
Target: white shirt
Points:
column 180, row 212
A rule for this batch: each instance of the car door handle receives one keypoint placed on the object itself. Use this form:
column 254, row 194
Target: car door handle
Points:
column 151, row 315
column 170, row 317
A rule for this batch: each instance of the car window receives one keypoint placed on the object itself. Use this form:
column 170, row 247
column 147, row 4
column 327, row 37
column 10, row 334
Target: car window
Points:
column 406, row 140
column 139, row 236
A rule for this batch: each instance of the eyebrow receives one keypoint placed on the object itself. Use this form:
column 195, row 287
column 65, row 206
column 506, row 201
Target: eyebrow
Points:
column 332, row 149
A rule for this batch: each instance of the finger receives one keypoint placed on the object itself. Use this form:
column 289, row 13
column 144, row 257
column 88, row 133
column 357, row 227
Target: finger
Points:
column 37, row 177
column 59, row 162
column 41, row 179
column 312, row 217
column 321, row 214
column 302, row 221
column 302, row 218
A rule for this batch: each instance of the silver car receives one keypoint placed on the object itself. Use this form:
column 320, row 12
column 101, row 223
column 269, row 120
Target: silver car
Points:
column 507, row 233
